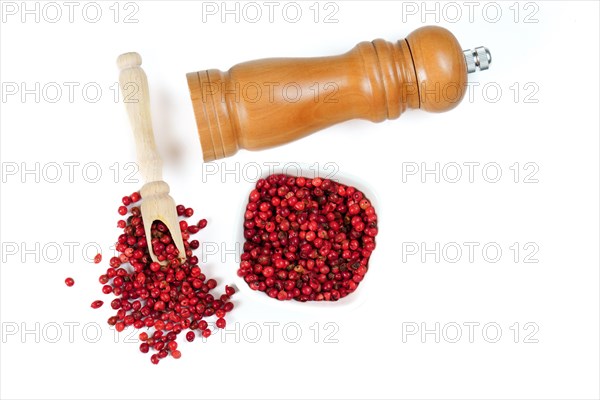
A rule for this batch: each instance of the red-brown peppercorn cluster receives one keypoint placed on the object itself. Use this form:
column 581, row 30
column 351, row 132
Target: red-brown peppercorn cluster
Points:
column 169, row 298
column 306, row 239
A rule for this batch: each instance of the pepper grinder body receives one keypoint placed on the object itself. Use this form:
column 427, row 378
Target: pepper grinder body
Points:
column 266, row 103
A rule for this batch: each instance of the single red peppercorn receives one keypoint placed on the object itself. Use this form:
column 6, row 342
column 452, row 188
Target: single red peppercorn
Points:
column 135, row 197
column 69, row 282
column 220, row 323
column 190, row 336
column 282, row 295
column 97, row 258
column 229, row 290
column 144, row 348
column 97, row 304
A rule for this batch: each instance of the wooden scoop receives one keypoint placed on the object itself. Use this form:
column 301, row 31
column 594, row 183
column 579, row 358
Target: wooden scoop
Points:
column 157, row 205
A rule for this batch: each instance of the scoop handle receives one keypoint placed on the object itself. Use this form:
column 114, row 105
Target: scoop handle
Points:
column 135, row 93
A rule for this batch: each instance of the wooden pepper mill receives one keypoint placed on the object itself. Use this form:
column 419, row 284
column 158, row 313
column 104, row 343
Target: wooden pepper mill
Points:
column 265, row 103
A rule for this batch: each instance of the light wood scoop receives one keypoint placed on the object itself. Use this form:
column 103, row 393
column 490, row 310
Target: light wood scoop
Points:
column 157, row 205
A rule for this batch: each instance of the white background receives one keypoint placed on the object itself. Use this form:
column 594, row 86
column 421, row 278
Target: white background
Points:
column 550, row 122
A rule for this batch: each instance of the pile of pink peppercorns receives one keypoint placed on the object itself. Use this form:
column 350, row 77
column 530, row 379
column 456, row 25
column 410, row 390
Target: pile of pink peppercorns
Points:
column 167, row 298
column 306, row 239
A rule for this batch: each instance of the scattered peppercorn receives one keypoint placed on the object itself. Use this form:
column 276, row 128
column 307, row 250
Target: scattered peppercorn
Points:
column 97, row 304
